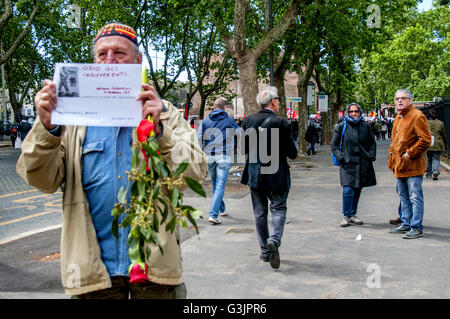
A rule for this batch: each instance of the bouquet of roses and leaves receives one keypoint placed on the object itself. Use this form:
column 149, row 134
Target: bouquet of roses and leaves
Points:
column 155, row 198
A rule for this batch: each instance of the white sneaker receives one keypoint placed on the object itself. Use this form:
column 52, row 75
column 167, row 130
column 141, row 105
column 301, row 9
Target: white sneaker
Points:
column 214, row 221
column 223, row 214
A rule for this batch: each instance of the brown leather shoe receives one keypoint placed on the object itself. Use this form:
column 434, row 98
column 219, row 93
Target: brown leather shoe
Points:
column 396, row 221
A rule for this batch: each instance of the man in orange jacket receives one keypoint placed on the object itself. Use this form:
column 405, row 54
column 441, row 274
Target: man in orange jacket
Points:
column 410, row 139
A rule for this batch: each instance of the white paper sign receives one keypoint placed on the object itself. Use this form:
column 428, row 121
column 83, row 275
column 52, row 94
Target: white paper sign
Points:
column 97, row 94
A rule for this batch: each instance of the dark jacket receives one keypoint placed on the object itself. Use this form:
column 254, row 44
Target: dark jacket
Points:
column 24, row 127
column 359, row 149
column 253, row 139
column 312, row 134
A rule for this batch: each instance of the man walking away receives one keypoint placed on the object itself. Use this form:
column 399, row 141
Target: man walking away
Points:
column 410, row 139
column 438, row 145
column 216, row 136
column 267, row 175
column 311, row 136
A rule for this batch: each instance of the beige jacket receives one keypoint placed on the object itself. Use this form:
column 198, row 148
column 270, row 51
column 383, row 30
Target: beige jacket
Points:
column 48, row 162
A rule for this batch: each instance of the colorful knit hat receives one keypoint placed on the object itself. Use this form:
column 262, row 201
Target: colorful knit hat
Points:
column 117, row 29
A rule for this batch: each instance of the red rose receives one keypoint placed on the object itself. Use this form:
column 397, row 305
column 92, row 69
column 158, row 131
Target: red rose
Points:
column 144, row 129
column 137, row 275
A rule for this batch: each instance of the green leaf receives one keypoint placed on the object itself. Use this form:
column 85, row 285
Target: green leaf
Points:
column 197, row 214
column 148, row 252
column 171, row 224
column 135, row 233
column 157, row 242
column 135, row 158
column 116, row 212
column 192, row 216
column 141, row 189
column 122, row 195
column 115, row 228
column 165, row 171
column 127, row 220
column 134, row 189
column 155, row 222
column 134, row 250
column 165, row 213
column 150, row 150
column 155, row 191
column 141, row 204
column 175, row 195
column 180, row 169
column 183, row 222
column 193, row 222
column 156, row 164
column 154, row 146
column 146, row 231
column 195, row 186
column 143, row 167
column 187, row 208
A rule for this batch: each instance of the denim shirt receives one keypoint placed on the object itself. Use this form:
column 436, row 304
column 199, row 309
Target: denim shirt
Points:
column 106, row 157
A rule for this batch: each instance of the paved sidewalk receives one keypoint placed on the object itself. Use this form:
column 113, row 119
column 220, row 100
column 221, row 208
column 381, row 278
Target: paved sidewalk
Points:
column 319, row 259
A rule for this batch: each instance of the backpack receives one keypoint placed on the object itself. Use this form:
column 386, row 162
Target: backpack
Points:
column 335, row 161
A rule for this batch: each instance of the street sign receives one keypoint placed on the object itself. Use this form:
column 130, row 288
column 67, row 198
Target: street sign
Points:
column 309, row 94
column 322, row 102
column 293, row 99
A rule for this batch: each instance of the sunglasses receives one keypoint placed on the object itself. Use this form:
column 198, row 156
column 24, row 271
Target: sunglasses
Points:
column 356, row 111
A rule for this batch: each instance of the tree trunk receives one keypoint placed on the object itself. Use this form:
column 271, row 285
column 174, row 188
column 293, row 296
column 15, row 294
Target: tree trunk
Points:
column 326, row 129
column 278, row 78
column 16, row 106
column 335, row 107
column 245, row 57
column 302, row 86
column 202, row 106
column 302, row 117
column 278, row 81
column 249, row 83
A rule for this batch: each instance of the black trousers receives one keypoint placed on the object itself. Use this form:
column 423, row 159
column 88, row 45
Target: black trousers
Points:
column 122, row 289
column 278, row 209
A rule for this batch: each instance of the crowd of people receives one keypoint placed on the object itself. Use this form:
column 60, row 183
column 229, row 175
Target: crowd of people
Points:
column 88, row 164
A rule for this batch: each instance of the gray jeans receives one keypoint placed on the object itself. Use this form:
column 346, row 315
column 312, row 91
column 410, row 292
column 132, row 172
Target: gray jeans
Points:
column 278, row 208
column 433, row 162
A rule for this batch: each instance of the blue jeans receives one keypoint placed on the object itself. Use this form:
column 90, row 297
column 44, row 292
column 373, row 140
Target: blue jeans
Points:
column 218, row 167
column 311, row 146
column 278, row 208
column 433, row 162
column 411, row 200
column 350, row 200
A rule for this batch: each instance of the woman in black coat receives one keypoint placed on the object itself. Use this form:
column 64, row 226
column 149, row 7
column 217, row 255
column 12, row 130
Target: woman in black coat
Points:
column 358, row 151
